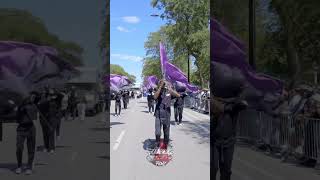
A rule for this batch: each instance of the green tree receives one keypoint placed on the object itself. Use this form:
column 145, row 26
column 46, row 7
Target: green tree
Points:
column 187, row 23
column 116, row 69
column 20, row 25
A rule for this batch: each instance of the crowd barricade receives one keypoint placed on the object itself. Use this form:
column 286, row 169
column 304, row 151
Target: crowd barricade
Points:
column 198, row 104
column 300, row 135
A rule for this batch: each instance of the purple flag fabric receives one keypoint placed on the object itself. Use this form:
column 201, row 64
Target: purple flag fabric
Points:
column 26, row 67
column 231, row 73
column 172, row 73
column 151, row 82
column 118, row 82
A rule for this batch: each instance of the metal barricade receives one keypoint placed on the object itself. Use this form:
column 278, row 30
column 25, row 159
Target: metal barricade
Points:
column 294, row 135
column 197, row 104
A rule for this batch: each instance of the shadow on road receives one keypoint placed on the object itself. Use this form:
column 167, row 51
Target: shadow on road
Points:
column 101, row 142
column 8, row 166
column 63, row 146
column 115, row 123
column 99, row 129
column 142, row 102
column 103, row 157
column 148, row 144
column 200, row 129
column 146, row 112
column 174, row 122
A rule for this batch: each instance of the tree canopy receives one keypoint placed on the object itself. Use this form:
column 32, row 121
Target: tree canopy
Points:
column 186, row 33
column 116, row 69
column 21, row 25
column 287, row 34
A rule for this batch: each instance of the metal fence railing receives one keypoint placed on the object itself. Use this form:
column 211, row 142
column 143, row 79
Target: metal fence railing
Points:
column 197, row 104
column 293, row 136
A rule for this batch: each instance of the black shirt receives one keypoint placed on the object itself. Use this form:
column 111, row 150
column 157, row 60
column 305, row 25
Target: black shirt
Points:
column 118, row 97
column 225, row 124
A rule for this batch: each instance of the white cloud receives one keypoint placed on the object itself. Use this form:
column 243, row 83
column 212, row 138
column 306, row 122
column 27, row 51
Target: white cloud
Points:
column 131, row 19
column 127, row 57
column 122, row 29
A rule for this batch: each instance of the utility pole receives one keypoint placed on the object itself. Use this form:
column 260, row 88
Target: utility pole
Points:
column 252, row 33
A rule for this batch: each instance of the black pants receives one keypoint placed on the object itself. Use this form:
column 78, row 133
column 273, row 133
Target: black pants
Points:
column 48, row 137
column 73, row 110
column 178, row 113
column 29, row 134
column 124, row 104
column 151, row 106
column 118, row 108
column 222, row 159
column 166, row 130
column 58, row 127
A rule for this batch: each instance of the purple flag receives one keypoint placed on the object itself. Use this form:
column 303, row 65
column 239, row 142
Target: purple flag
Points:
column 151, row 82
column 173, row 74
column 26, row 67
column 117, row 82
column 230, row 66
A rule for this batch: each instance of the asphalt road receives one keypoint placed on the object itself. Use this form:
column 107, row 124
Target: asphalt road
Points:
column 249, row 164
column 130, row 132
column 81, row 154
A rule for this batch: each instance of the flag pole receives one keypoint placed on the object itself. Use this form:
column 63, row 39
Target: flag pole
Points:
column 161, row 61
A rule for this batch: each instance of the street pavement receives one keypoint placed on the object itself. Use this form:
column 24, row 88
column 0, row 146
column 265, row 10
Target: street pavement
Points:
column 81, row 154
column 249, row 164
column 130, row 132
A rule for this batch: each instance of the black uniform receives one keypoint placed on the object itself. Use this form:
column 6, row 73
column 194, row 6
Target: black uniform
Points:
column 178, row 107
column 72, row 104
column 118, row 103
column 59, row 100
column 163, row 114
column 124, row 100
column 26, row 130
column 150, row 99
column 49, row 121
column 224, row 139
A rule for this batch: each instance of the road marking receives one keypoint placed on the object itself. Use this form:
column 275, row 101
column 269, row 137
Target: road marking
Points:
column 116, row 145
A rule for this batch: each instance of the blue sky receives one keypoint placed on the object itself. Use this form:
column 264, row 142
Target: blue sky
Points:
column 71, row 20
column 130, row 25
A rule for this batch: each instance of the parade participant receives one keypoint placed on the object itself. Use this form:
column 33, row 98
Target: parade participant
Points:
column 43, row 109
column 225, row 116
column 59, row 100
column 64, row 107
column 132, row 94
column 163, row 97
column 127, row 95
column 150, row 100
column 49, row 118
column 124, row 102
column 72, row 102
column 118, row 104
column 178, row 108
column 82, row 108
column 26, row 131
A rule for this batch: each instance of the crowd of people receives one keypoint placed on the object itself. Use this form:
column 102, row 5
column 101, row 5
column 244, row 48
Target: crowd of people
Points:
column 50, row 107
column 123, row 95
column 292, row 121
